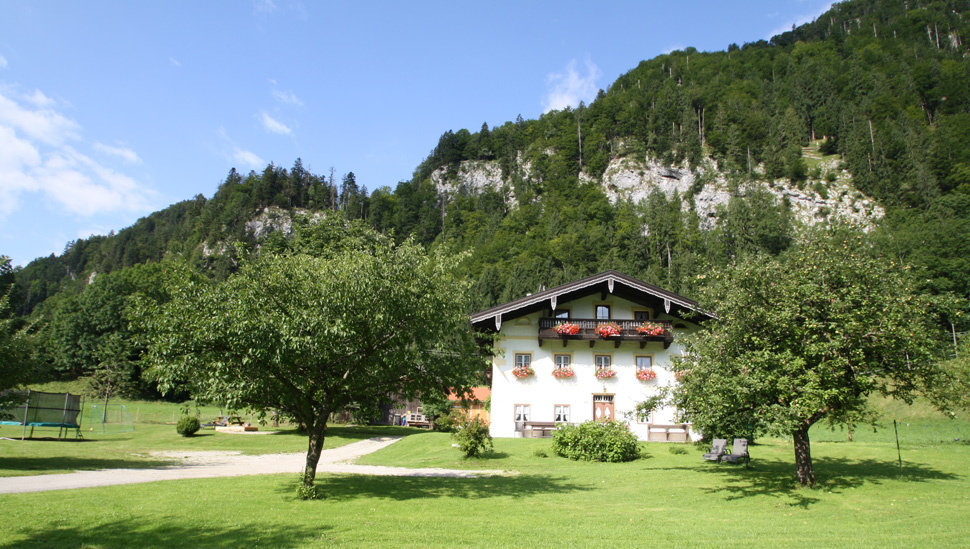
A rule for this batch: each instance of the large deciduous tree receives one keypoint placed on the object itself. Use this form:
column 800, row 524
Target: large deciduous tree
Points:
column 805, row 336
column 309, row 336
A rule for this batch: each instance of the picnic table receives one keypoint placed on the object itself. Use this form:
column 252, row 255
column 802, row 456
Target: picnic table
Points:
column 224, row 421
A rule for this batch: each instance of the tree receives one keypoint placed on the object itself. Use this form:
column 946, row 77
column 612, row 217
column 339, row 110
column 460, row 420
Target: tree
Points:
column 806, row 336
column 309, row 336
column 16, row 364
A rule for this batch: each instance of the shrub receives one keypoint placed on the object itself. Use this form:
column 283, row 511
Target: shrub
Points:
column 610, row 441
column 677, row 450
column 188, row 426
column 450, row 421
column 473, row 438
column 305, row 492
column 540, row 453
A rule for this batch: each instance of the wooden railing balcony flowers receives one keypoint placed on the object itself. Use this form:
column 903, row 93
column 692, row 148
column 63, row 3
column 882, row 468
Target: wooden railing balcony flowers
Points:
column 617, row 331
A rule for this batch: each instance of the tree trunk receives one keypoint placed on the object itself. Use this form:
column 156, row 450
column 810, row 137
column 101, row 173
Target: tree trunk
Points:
column 317, row 432
column 803, row 457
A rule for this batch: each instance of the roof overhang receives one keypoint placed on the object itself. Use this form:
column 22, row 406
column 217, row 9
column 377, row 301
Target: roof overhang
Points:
column 606, row 283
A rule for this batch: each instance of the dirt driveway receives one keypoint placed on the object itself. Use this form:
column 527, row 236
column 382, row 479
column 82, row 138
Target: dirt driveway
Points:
column 231, row 464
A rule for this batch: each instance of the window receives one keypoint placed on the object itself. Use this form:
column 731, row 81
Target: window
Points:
column 561, row 414
column 562, row 360
column 641, row 316
column 523, row 412
column 603, row 362
column 645, row 417
column 561, row 313
column 523, row 359
column 644, row 363
column 603, row 312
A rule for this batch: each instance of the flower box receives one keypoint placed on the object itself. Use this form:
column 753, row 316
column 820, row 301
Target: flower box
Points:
column 563, row 372
column 523, row 371
column 646, row 374
column 567, row 328
column 608, row 329
column 605, row 373
column 651, row 329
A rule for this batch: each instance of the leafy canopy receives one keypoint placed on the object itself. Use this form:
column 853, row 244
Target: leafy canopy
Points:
column 805, row 336
column 309, row 336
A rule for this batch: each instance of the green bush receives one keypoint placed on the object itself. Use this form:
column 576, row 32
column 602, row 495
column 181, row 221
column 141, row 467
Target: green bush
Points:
column 473, row 438
column 188, row 426
column 677, row 450
column 609, row 441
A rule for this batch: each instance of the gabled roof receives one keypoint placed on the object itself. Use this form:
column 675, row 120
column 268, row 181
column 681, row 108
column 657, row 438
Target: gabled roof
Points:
column 607, row 283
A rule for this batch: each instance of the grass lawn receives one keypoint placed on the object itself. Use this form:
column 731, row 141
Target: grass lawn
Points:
column 664, row 499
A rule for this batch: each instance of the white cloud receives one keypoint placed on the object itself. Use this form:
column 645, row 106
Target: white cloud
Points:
column 569, row 89
column 287, row 97
column 264, row 6
column 124, row 153
column 3, row 62
column 35, row 157
column 247, row 158
column 174, row 61
column 43, row 123
column 273, row 125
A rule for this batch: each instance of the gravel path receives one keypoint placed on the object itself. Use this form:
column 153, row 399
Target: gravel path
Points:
column 231, row 464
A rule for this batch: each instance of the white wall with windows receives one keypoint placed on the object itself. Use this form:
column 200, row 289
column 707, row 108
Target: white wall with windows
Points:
column 545, row 398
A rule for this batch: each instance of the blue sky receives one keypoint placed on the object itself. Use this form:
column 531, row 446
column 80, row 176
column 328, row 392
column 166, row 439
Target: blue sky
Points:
column 110, row 110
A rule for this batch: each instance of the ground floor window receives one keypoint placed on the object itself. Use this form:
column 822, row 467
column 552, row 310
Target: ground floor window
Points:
column 523, row 412
column 603, row 362
column 562, row 361
column 561, row 414
column 523, row 359
column 644, row 362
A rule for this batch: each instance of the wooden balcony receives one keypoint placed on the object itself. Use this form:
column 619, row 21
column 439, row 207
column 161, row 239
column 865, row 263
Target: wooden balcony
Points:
column 587, row 331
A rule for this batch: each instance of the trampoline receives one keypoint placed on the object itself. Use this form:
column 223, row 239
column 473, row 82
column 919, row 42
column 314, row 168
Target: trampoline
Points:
column 61, row 410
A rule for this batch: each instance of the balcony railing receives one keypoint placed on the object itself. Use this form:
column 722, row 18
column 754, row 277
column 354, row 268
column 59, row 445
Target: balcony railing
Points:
column 587, row 331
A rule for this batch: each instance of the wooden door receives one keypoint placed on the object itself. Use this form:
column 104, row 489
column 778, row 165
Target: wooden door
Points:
column 603, row 409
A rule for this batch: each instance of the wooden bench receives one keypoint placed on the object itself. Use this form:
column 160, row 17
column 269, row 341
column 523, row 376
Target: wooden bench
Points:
column 538, row 429
column 668, row 433
column 418, row 420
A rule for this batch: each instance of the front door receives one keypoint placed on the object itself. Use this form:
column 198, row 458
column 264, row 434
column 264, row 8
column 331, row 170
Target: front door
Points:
column 603, row 408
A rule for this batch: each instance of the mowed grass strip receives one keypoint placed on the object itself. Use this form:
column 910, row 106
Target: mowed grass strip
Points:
column 663, row 499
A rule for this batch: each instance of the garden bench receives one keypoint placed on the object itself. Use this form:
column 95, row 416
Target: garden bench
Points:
column 667, row 433
column 538, row 429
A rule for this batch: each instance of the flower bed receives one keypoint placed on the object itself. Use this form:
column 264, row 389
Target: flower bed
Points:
column 651, row 329
column 605, row 373
column 608, row 329
column 563, row 372
column 646, row 374
column 567, row 328
column 523, row 371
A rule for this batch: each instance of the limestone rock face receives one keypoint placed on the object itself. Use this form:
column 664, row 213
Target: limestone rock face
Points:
column 628, row 178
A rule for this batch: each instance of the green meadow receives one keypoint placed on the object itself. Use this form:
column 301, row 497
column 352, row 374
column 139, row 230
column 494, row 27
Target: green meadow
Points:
column 670, row 497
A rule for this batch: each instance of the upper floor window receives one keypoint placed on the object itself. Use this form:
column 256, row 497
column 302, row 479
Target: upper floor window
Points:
column 561, row 313
column 603, row 312
column 641, row 315
column 603, row 362
column 523, row 359
column 562, row 361
column 644, row 362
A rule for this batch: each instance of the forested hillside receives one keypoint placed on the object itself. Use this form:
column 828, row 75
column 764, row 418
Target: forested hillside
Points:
column 869, row 103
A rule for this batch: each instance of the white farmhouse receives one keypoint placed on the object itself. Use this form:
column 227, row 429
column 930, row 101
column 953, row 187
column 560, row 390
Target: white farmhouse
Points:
column 591, row 349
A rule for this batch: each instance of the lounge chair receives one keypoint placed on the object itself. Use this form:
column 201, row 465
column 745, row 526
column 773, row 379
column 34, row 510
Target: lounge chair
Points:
column 739, row 451
column 718, row 449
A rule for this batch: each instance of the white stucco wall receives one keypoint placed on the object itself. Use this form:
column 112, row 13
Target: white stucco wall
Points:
column 542, row 392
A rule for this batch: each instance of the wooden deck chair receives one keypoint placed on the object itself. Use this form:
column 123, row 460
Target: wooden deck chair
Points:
column 718, row 449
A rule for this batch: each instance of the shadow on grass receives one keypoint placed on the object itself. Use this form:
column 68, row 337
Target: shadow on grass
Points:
column 351, row 487
column 67, row 463
column 777, row 478
column 165, row 532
